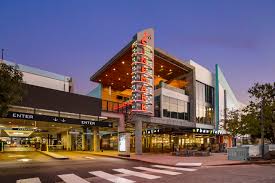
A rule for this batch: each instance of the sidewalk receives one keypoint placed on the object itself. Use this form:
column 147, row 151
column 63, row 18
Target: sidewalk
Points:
column 216, row 159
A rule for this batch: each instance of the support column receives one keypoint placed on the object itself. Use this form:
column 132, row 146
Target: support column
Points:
column 84, row 139
column 121, row 124
column 69, row 141
column 96, row 139
column 138, row 137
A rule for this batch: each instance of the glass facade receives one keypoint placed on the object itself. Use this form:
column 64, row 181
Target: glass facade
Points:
column 175, row 108
column 204, row 103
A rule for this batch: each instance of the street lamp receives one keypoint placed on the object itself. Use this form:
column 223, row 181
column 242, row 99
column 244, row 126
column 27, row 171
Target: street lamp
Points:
column 273, row 111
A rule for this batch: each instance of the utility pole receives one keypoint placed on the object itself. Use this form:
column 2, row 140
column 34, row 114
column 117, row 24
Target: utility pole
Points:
column 262, row 127
column 2, row 54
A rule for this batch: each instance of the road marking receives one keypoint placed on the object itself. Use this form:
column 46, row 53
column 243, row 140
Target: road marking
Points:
column 174, row 168
column 188, row 164
column 158, row 171
column 137, row 174
column 31, row 180
column 111, row 177
column 72, row 178
column 88, row 157
column 24, row 160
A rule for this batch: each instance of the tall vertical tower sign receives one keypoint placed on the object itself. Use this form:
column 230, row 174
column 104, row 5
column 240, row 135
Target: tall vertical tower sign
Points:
column 143, row 73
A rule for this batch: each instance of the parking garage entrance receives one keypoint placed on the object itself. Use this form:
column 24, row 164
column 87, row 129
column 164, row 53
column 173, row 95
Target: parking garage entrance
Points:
column 25, row 133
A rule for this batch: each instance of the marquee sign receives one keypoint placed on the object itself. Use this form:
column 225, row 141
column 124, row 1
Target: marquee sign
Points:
column 37, row 117
column 143, row 73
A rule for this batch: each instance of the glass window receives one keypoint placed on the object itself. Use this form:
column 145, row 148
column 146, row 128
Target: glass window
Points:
column 166, row 106
column 181, row 109
column 173, row 108
column 157, row 106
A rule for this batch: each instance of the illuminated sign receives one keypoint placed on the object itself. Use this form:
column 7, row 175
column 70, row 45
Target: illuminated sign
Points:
column 143, row 73
column 122, row 142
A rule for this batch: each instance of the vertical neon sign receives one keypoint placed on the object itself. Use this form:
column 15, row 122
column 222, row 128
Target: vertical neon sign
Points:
column 143, row 73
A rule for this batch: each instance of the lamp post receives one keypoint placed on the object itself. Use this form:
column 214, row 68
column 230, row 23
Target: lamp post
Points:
column 2, row 56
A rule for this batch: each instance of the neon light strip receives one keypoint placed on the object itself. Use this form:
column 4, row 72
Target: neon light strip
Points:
column 136, row 54
column 135, row 63
column 135, row 44
column 144, row 73
column 136, row 110
column 149, row 85
column 149, row 103
column 139, row 91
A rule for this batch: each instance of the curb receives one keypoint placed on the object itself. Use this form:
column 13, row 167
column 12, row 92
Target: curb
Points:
column 54, row 157
column 225, row 164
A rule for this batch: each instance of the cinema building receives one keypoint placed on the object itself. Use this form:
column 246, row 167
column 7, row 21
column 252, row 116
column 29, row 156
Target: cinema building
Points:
column 164, row 103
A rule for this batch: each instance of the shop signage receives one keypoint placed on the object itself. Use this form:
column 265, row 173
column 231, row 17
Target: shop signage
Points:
column 206, row 131
column 143, row 73
column 26, row 129
column 151, row 131
column 26, row 116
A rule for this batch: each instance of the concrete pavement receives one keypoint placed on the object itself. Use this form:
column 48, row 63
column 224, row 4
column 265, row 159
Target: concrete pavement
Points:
column 106, row 169
column 216, row 159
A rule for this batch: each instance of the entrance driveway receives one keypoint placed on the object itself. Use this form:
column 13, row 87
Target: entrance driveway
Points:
column 23, row 156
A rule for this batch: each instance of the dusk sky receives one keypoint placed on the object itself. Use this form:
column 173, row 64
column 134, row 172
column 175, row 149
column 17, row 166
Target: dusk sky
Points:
column 77, row 37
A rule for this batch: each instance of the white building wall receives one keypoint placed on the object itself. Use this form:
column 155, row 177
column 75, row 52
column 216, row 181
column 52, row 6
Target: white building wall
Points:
column 202, row 74
column 42, row 78
column 46, row 82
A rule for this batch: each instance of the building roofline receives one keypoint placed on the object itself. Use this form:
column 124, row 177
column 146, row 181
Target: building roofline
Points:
column 40, row 72
column 173, row 59
column 158, row 52
column 111, row 61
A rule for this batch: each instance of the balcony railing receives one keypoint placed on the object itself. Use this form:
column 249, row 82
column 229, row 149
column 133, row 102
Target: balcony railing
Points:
column 169, row 87
column 110, row 106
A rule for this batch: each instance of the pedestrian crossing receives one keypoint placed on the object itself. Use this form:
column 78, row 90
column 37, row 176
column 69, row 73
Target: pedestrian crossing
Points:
column 142, row 173
column 72, row 178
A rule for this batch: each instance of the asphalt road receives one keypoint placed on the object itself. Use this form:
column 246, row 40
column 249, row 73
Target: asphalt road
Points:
column 77, row 169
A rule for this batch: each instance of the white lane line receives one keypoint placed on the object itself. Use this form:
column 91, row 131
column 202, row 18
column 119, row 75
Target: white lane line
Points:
column 137, row 174
column 174, row 168
column 188, row 164
column 158, row 171
column 31, row 180
column 88, row 157
column 110, row 177
column 72, row 178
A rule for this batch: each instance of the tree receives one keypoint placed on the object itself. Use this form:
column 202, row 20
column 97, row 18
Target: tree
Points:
column 232, row 124
column 11, row 87
column 248, row 120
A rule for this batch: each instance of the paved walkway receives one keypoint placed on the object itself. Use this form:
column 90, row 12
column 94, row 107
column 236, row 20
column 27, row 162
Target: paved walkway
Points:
column 167, row 159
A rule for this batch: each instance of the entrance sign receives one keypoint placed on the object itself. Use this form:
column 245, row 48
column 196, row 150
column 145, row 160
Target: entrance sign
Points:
column 26, row 116
column 143, row 73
